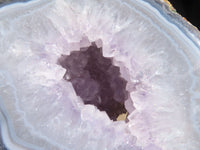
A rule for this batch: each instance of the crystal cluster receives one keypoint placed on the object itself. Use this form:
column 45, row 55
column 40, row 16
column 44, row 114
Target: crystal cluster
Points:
column 158, row 56
column 96, row 80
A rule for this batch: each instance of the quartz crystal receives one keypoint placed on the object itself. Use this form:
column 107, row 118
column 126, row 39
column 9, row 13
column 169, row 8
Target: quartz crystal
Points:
column 50, row 92
column 96, row 80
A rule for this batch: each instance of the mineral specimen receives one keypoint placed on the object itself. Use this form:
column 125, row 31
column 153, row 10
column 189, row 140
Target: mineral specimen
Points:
column 45, row 102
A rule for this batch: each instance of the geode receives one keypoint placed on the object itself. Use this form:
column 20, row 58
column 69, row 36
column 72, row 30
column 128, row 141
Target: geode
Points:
column 98, row 74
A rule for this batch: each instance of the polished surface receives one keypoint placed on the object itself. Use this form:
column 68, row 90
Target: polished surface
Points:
column 157, row 52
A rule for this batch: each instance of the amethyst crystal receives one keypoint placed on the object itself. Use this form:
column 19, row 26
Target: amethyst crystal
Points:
column 96, row 80
column 146, row 63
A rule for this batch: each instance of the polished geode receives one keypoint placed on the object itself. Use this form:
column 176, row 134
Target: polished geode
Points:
column 155, row 50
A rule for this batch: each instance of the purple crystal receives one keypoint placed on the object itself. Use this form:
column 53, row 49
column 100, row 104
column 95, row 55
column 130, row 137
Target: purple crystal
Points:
column 96, row 80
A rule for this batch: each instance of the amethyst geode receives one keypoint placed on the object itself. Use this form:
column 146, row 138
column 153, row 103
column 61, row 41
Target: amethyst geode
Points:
column 144, row 62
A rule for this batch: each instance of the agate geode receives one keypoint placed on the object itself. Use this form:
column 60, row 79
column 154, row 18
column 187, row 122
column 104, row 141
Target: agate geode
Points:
column 69, row 69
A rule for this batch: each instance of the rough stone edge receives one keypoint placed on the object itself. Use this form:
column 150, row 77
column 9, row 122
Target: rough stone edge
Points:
column 169, row 12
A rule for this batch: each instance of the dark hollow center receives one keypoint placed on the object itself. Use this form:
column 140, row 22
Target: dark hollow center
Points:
column 96, row 80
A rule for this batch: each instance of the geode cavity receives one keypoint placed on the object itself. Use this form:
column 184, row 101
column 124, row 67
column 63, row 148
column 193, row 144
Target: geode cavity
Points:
column 96, row 80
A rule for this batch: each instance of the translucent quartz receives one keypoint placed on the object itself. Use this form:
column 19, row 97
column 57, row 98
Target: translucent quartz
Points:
column 158, row 55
